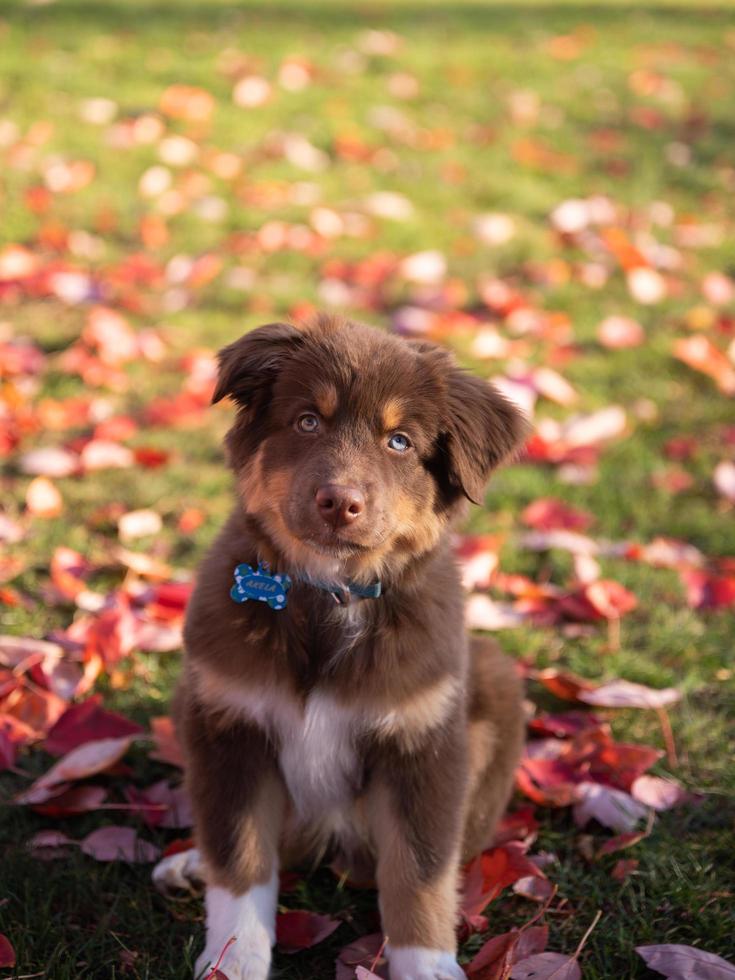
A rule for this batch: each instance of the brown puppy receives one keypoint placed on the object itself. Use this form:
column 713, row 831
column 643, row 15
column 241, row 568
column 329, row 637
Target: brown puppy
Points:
column 340, row 719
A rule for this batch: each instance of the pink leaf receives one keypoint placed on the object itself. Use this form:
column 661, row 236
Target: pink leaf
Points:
column 679, row 962
column 50, row 844
column 119, row 844
column 625, row 694
column 547, row 966
column 661, row 794
column 363, row 952
column 86, row 760
column 611, row 807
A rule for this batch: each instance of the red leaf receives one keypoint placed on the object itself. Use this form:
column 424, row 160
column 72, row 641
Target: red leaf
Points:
column 564, row 724
column 623, row 868
column 520, row 825
column 708, row 590
column 7, row 750
column 548, row 782
column 69, row 571
column 119, row 844
column 87, row 722
column 167, row 746
column 679, row 962
column 622, row 841
column 492, row 871
column 300, row 929
column 547, row 513
column 494, row 959
column 79, row 799
column 563, row 684
column 7, row 953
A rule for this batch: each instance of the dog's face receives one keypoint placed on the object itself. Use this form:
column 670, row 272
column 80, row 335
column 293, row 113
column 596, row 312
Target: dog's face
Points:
column 353, row 448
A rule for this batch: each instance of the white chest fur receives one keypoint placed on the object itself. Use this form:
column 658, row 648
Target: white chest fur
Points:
column 317, row 755
column 317, row 740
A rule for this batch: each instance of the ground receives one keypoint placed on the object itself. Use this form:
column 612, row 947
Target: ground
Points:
column 463, row 110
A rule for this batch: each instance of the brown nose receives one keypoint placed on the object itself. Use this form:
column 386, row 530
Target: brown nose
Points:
column 339, row 506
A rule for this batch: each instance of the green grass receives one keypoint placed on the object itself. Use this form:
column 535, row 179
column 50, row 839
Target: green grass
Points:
column 79, row 919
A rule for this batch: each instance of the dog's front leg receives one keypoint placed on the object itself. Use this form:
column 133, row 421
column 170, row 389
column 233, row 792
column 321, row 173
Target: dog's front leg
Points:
column 239, row 802
column 416, row 806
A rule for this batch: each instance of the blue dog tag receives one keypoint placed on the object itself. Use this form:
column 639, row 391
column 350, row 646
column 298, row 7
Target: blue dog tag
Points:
column 259, row 584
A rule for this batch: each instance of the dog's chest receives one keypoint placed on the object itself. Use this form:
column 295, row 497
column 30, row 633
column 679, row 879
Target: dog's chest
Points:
column 317, row 754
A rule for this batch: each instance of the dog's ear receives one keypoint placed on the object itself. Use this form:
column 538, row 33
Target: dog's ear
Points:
column 479, row 427
column 482, row 429
column 250, row 364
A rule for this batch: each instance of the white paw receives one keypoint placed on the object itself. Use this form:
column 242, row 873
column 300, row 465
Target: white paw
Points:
column 242, row 964
column 420, row 963
column 184, row 870
column 249, row 918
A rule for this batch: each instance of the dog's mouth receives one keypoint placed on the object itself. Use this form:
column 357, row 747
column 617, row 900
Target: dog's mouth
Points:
column 333, row 544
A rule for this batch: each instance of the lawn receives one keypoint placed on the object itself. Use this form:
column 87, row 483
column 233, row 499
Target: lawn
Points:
column 407, row 164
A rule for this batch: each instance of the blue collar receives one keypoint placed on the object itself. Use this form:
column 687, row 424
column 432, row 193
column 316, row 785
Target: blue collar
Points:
column 343, row 595
column 260, row 584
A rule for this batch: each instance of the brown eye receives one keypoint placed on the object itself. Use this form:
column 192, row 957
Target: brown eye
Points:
column 307, row 422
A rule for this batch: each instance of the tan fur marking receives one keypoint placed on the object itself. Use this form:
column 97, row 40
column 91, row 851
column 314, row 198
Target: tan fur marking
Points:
column 414, row 912
column 392, row 414
column 258, row 837
column 414, row 716
column 326, row 399
column 482, row 742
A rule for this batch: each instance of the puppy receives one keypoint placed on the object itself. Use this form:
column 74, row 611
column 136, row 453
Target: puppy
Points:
column 330, row 701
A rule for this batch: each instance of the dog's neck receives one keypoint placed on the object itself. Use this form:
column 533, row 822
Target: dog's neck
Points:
column 396, row 571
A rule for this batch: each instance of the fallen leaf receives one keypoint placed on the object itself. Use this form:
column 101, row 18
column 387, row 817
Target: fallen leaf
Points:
column 86, row 722
column 724, row 480
column 166, row 745
column 366, row 952
column 43, row 498
column 611, row 807
column 623, row 868
column 547, row 966
column 300, row 929
column 678, row 962
column 547, row 512
column 83, row 761
column 7, row 953
column 115, row 843
column 625, row 694
column 661, row 794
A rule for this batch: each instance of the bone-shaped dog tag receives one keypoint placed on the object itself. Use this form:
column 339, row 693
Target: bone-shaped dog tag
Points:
column 261, row 585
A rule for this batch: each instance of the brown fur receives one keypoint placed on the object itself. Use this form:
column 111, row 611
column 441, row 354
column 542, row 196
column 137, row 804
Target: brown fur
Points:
column 437, row 730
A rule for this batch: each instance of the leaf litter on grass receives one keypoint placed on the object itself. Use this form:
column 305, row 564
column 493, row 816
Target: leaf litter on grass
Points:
column 97, row 602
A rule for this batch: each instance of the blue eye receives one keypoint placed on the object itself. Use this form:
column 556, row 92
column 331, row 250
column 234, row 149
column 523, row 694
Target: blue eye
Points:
column 307, row 422
column 399, row 443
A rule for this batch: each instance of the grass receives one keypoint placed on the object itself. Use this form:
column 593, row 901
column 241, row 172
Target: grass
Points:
column 454, row 155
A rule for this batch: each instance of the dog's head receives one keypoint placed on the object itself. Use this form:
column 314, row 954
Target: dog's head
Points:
column 353, row 448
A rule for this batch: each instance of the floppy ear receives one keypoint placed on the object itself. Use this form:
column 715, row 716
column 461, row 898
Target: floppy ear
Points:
column 481, row 430
column 250, row 364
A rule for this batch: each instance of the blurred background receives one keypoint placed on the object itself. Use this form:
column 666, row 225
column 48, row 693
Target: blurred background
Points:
column 545, row 187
